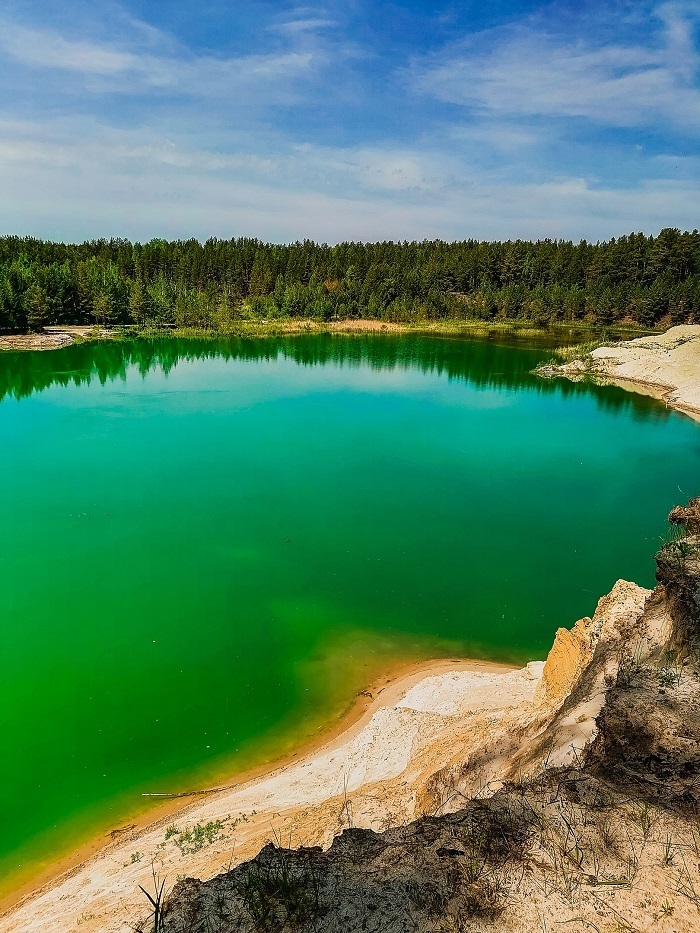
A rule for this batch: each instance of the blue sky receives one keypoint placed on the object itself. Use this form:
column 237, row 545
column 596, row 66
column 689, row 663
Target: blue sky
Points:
column 348, row 120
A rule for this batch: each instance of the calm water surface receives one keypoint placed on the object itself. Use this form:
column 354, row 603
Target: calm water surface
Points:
column 207, row 548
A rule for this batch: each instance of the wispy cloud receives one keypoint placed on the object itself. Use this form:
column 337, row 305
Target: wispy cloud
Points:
column 300, row 24
column 43, row 49
column 530, row 69
column 134, row 183
column 138, row 66
column 301, row 127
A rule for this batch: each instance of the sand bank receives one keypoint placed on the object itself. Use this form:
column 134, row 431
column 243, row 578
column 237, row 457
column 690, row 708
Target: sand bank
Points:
column 428, row 741
column 665, row 366
column 51, row 338
column 382, row 693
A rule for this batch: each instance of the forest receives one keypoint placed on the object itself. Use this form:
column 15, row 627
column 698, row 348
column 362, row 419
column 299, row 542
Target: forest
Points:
column 634, row 279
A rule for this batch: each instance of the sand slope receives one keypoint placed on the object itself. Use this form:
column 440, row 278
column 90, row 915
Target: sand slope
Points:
column 431, row 743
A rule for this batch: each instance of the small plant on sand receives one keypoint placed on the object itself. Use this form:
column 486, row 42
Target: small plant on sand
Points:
column 630, row 663
column 156, row 900
column 686, row 885
column 669, row 852
column 197, row 837
column 643, row 818
column 671, row 669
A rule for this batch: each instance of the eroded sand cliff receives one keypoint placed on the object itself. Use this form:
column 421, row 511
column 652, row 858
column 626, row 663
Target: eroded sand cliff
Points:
column 594, row 828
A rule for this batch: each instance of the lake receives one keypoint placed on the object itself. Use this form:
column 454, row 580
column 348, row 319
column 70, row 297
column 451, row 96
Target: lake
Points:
column 208, row 548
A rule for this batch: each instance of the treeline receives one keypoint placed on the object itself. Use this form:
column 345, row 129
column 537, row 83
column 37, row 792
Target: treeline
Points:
column 637, row 279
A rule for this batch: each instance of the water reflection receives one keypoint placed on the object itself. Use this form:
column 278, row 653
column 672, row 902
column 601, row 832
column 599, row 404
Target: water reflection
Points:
column 481, row 363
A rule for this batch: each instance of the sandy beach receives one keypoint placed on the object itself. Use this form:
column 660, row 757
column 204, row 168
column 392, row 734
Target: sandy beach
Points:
column 429, row 740
column 380, row 695
column 51, row 338
column 664, row 366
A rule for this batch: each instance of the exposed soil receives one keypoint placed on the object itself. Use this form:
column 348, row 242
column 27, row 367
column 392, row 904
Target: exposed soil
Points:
column 51, row 338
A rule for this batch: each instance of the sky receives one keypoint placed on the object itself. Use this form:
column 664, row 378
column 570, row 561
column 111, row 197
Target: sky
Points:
column 348, row 119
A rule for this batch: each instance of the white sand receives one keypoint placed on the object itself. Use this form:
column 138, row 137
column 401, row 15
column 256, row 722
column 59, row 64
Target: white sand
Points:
column 666, row 366
column 432, row 742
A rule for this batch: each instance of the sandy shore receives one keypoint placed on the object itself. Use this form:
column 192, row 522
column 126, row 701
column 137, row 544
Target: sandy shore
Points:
column 52, row 338
column 427, row 741
column 55, row 337
column 382, row 693
column 665, row 366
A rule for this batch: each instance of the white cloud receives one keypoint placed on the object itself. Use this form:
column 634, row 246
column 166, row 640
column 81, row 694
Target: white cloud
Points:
column 302, row 24
column 48, row 50
column 149, row 61
column 496, row 135
column 527, row 70
column 408, row 170
column 132, row 183
column 203, row 165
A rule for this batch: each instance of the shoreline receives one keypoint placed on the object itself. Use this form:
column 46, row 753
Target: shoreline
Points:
column 660, row 391
column 457, row 730
column 56, row 337
column 380, row 693
column 664, row 366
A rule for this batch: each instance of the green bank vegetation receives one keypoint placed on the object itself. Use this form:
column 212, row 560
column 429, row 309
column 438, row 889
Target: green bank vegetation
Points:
column 637, row 280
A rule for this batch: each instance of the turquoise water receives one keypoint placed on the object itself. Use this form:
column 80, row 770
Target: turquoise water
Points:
column 208, row 548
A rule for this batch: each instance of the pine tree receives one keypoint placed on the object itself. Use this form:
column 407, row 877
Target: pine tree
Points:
column 137, row 303
column 37, row 308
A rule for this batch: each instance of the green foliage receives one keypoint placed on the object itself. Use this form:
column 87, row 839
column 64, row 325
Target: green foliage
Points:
column 635, row 279
column 197, row 837
column 37, row 307
column 137, row 303
column 156, row 898
column 103, row 309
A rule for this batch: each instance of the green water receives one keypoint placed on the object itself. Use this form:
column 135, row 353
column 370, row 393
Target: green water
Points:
column 207, row 548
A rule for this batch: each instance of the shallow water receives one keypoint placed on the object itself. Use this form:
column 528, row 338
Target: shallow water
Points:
column 207, row 548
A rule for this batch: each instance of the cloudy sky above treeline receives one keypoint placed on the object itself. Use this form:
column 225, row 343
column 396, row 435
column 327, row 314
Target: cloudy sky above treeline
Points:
column 345, row 120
